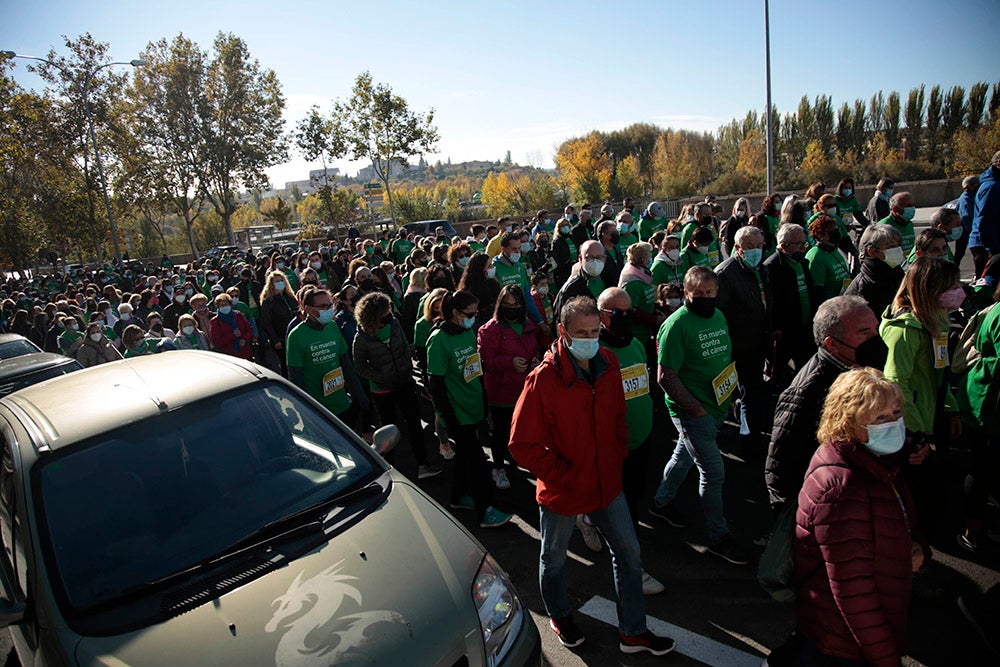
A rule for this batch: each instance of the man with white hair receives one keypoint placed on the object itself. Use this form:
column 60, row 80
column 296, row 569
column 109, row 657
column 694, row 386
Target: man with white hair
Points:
column 652, row 221
column 792, row 294
column 742, row 298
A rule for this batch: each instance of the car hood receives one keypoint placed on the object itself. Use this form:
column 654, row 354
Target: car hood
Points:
column 395, row 588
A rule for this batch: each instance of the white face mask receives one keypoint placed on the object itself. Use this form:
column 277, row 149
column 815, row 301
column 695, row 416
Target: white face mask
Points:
column 894, row 256
column 593, row 267
column 96, row 337
column 491, row 272
column 188, row 330
column 831, row 211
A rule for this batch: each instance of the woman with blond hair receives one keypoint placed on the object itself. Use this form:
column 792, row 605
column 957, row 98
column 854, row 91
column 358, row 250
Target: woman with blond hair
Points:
column 854, row 554
column 278, row 306
column 188, row 336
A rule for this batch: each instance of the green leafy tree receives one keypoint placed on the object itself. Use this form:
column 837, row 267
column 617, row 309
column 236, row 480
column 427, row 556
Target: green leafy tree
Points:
column 823, row 114
column 914, row 119
column 319, row 138
column 934, row 104
column 378, row 126
column 892, row 110
column 276, row 211
column 977, row 104
column 243, row 128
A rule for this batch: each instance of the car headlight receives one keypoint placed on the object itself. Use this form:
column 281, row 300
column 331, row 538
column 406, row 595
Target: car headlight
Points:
column 500, row 612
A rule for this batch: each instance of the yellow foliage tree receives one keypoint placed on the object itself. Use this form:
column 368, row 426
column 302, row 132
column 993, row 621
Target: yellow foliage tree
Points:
column 628, row 178
column 972, row 149
column 586, row 164
column 816, row 163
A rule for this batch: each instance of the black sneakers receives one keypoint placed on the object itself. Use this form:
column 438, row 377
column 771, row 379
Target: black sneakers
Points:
column 729, row 549
column 565, row 628
column 669, row 514
column 647, row 642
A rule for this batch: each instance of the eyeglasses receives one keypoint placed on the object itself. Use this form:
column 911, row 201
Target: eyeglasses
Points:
column 472, row 314
column 323, row 306
column 618, row 312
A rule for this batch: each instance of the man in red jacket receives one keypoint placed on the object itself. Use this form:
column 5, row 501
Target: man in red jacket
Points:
column 569, row 430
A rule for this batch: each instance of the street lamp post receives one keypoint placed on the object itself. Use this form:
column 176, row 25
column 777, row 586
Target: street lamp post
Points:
column 770, row 129
column 93, row 135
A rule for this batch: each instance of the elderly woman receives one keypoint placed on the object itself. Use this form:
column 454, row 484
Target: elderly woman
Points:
column 277, row 308
column 229, row 330
column 854, row 554
column 880, row 276
column 637, row 279
column 96, row 348
column 739, row 218
column 188, row 336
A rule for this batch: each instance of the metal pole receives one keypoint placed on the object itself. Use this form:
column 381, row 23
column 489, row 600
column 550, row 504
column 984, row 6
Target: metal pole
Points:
column 770, row 129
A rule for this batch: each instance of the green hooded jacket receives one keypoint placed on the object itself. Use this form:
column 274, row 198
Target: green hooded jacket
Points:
column 917, row 364
column 979, row 392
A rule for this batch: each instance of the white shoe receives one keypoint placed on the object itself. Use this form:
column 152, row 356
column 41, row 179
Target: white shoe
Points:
column 650, row 586
column 591, row 536
column 500, row 478
column 447, row 453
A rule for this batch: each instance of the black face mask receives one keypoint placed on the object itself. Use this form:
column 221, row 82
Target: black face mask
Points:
column 615, row 237
column 619, row 332
column 705, row 220
column 833, row 237
column 367, row 285
column 386, row 319
column 512, row 313
column 872, row 353
column 702, row 306
column 798, row 256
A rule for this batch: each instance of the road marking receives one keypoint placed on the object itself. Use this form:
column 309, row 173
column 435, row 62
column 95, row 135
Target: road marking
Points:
column 689, row 643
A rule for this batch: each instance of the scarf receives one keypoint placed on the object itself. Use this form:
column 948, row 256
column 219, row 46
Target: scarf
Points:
column 632, row 272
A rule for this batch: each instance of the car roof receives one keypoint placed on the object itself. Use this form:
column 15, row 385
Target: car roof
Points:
column 98, row 399
column 8, row 337
column 27, row 363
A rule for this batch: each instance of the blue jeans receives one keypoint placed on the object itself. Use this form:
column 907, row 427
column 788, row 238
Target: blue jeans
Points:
column 696, row 446
column 615, row 525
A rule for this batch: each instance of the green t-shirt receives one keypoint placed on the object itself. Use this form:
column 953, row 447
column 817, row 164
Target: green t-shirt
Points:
column 912, row 257
column 714, row 258
column 635, row 382
column 595, row 285
column 317, row 352
column 477, row 246
column 828, row 270
column 625, row 240
column 421, row 332
column 691, row 258
column 644, row 299
column 511, row 275
column 800, row 282
column 456, row 358
column 401, row 249
column 649, row 226
column 699, row 350
column 666, row 273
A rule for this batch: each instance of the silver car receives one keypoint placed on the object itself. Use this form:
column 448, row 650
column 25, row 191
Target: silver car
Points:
column 189, row 508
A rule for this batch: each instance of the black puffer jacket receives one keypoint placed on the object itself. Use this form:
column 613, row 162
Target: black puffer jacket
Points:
column 793, row 439
column 387, row 366
column 740, row 301
column 876, row 284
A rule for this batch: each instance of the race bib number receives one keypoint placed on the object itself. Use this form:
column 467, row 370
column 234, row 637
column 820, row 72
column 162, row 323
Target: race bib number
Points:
column 333, row 381
column 845, row 283
column 473, row 367
column 635, row 381
column 724, row 383
column 940, row 350
column 713, row 257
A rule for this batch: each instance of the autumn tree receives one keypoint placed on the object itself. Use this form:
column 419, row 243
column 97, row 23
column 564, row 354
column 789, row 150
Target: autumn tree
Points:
column 378, row 126
column 277, row 212
column 319, row 138
column 586, row 164
column 242, row 128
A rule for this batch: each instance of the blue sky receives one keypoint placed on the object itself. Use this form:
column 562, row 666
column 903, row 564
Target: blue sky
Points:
column 523, row 76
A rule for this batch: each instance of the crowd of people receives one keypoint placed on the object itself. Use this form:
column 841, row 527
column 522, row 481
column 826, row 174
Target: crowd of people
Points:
column 853, row 365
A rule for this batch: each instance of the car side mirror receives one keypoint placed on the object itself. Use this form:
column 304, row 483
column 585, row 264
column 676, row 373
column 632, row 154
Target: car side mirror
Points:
column 385, row 439
column 11, row 613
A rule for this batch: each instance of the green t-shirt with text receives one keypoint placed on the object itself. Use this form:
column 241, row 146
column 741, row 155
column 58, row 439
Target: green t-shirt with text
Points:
column 456, row 358
column 699, row 350
column 828, row 270
column 317, row 352
column 635, row 382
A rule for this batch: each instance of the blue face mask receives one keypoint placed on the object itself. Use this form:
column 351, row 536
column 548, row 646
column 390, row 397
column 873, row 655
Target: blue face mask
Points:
column 515, row 257
column 325, row 316
column 847, row 192
column 584, row 349
column 909, row 212
column 468, row 322
column 752, row 257
column 886, row 438
column 955, row 233
column 225, row 310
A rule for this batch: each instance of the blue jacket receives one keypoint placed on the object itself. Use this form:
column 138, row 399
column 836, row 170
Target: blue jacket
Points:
column 986, row 219
column 966, row 207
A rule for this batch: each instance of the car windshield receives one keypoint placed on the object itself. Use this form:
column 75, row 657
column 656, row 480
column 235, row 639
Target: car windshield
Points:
column 155, row 497
column 16, row 348
column 11, row 385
